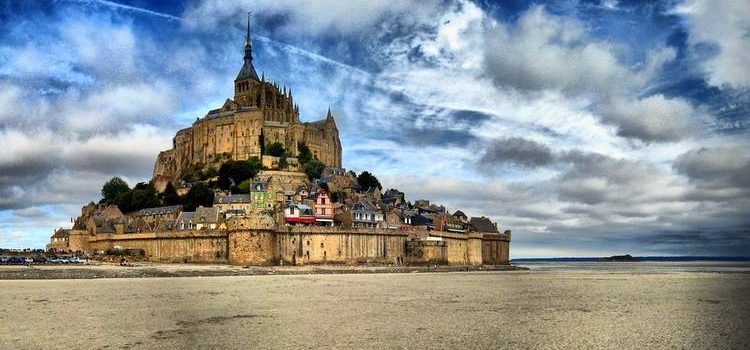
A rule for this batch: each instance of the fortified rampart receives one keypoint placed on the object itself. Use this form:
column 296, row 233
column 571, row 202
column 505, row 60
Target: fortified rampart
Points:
column 176, row 246
column 301, row 245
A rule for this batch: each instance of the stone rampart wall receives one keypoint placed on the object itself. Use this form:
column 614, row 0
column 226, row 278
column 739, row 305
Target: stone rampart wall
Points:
column 179, row 246
column 495, row 249
column 315, row 244
column 251, row 247
column 311, row 245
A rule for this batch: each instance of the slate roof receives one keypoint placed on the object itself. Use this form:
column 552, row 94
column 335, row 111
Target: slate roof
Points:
column 160, row 210
column 483, row 224
column 459, row 214
column 186, row 216
column 232, row 198
column 301, row 207
column 247, row 71
column 419, row 220
column 363, row 206
column 235, row 212
column 200, row 215
column 209, row 215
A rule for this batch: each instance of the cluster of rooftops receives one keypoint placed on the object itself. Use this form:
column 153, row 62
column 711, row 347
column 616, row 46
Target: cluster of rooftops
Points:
column 334, row 200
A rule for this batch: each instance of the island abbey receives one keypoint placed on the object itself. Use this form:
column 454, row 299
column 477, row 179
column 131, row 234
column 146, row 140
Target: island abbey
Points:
column 283, row 215
column 260, row 114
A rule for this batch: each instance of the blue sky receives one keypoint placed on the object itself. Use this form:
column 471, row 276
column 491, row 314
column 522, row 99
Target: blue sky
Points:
column 586, row 127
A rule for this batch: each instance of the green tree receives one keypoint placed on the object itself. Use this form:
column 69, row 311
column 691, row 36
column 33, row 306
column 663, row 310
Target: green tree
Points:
column 314, row 168
column 276, row 149
column 305, row 156
column 367, row 181
column 123, row 201
column 192, row 173
column 198, row 195
column 338, row 196
column 324, row 186
column 237, row 171
column 112, row 188
column 210, row 172
column 170, row 196
column 244, row 186
column 144, row 197
column 283, row 164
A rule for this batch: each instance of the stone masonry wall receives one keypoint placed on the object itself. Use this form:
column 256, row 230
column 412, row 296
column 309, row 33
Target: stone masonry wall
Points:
column 495, row 249
column 190, row 246
column 312, row 245
column 251, row 247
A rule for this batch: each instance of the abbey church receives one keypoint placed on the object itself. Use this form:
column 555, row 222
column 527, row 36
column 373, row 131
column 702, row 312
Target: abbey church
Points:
column 260, row 114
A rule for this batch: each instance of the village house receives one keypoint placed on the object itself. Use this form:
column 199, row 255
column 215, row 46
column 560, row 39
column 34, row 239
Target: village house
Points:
column 59, row 241
column 392, row 218
column 371, row 195
column 417, row 220
column 483, row 224
column 233, row 204
column 302, row 192
column 151, row 219
column 296, row 214
column 461, row 216
column 323, row 209
column 445, row 222
column 108, row 219
column 201, row 219
column 365, row 214
column 260, row 195
column 393, row 198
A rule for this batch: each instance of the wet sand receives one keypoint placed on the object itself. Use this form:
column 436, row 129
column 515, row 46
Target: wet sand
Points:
column 151, row 269
column 539, row 309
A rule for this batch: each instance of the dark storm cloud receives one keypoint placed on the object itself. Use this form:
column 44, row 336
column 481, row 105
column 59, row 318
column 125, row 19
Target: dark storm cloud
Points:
column 720, row 167
column 473, row 117
column 33, row 213
column 36, row 180
column 431, row 137
column 693, row 242
column 592, row 178
column 516, row 151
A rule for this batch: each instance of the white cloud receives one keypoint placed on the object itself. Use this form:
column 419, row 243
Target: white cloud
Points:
column 653, row 118
column 107, row 49
column 115, row 106
column 308, row 17
column 725, row 25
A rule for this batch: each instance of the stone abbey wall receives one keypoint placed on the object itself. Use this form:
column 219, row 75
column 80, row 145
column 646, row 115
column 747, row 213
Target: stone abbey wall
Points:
column 313, row 245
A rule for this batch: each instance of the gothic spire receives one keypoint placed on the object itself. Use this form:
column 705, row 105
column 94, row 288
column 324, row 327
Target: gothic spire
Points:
column 248, row 71
column 248, row 43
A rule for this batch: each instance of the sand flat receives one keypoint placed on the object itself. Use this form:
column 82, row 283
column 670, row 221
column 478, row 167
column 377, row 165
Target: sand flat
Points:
column 547, row 309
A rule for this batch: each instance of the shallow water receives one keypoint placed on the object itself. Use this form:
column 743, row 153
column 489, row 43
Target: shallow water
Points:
column 641, row 266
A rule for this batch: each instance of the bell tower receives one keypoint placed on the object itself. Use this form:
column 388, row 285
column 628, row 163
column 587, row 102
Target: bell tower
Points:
column 247, row 83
